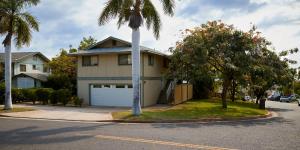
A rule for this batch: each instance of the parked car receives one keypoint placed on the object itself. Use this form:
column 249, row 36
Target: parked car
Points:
column 247, row 98
column 288, row 98
column 274, row 97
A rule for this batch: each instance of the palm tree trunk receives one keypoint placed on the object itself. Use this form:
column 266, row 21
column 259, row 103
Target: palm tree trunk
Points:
column 8, row 99
column 136, row 110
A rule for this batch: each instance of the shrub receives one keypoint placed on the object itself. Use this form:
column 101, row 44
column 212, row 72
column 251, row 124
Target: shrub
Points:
column 17, row 95
column 43, row 95
column 2, row 93
column 77, row 101
column 62, row 96
column 54, row 97
column 29, row 95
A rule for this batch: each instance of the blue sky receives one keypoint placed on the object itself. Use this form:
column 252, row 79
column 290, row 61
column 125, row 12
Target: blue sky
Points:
column 66, row 22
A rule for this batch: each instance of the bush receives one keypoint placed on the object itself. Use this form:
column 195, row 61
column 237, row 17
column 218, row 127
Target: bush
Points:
column 2, row 93
column 54, row 97
column 17, row 95
column 77, row 101
column 43, row 95
column 29, row 95
column 62, row 96
column 61, row 81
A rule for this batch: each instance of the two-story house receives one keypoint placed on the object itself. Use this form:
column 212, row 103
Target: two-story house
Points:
column 29, row 69
column 104, row 74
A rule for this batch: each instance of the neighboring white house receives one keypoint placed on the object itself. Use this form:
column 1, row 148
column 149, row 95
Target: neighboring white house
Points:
column 29, row 69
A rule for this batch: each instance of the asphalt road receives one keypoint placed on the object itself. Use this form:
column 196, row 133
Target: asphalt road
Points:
column 282, row 132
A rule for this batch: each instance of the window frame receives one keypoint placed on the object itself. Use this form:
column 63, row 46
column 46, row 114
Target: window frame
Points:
column 90, row 61
column 151, row 60
column 23, row 65
column 34, row 67
column 129, row 60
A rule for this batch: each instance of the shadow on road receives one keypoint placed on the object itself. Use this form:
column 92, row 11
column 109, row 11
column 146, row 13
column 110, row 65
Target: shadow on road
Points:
column 47, row 136
column 237, row 124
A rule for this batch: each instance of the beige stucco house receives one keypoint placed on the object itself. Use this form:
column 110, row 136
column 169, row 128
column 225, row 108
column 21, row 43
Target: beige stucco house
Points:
column 104, row 74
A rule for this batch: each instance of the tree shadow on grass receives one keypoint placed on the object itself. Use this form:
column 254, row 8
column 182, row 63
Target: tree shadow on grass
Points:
column 32, row 135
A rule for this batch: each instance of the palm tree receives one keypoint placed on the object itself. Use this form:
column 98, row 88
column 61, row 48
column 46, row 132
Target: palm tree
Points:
column 18, row 24
column 134, row 12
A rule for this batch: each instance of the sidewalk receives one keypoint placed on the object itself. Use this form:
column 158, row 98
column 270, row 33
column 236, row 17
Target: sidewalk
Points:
column 65, row 113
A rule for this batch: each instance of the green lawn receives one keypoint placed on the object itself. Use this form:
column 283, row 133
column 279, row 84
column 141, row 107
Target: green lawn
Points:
column 17, row 109
column 195, row 109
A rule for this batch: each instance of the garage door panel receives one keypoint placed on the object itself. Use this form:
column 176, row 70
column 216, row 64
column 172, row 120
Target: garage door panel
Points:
column 121, row 97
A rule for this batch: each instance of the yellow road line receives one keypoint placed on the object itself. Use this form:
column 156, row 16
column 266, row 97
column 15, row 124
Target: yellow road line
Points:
column 167, row 143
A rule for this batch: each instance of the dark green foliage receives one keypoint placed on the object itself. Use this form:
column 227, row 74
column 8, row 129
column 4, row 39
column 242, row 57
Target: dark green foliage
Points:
column 202, row 87
column 29, row 95
column 43, row 95
column 59, row 81
column 2, row 93
column 61, row 96
column 17, row 95
column 77, row 101
column 54, row 97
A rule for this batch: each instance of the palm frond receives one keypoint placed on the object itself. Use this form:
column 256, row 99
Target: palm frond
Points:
column 111, row 10
column 168, row 6
column 31, row 20
column 124, row 12
column 22, row 32
column 152, row 17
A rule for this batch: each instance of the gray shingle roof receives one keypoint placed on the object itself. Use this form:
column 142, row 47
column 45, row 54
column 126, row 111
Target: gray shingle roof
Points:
column 38, row 76
column 18, row 56
column 91, row 50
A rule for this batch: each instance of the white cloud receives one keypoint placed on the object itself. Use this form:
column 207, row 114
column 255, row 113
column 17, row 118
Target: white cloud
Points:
column 68, row 21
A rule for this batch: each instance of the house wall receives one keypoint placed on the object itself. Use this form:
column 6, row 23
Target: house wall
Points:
column 29, row 62
column 109, row 71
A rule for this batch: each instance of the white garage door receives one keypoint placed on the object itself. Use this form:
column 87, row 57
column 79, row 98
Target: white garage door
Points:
column 111, row 95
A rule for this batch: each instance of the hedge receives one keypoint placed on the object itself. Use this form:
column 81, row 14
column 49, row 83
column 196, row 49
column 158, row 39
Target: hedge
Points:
column 44, row 95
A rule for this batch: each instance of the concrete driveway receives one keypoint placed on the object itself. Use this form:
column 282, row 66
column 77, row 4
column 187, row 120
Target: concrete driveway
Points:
column 66, row 113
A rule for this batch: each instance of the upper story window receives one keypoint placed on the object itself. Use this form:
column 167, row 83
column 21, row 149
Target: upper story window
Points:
column 22, row 68
column 89, row 60
column 150, row 60
column 124, row 59
column 34, row 67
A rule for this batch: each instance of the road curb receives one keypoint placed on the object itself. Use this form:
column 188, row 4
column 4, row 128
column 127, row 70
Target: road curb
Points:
column 269, row 115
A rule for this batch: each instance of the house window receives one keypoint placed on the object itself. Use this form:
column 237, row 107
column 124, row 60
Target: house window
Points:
column 33, row 67
column 97, row 86
column 120, row 86
column 124, row 59
column 89, row 60
column 106, row 86
column 129, row 86
column 150, row 60
column 22, row 68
